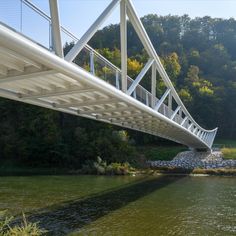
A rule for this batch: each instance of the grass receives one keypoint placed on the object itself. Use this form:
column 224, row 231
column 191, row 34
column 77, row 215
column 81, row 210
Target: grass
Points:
column 229, row 153
column 196, row 171
column 225, row 142
column 227, row 147
column 164, row 153
column 24, row 229
column 220, row 171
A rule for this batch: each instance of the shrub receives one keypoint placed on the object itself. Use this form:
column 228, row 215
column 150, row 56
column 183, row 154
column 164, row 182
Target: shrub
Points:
column 229, row 153
column 100, row 167
column 25, row 229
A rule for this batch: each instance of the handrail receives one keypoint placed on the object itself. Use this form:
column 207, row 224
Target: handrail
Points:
column 75, row 38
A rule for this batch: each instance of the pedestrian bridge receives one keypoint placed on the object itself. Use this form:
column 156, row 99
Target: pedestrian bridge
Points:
column 38, row 73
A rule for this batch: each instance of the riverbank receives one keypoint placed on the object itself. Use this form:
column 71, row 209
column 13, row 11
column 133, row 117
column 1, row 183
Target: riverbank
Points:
column 150, row 160
column 194, row 172
column 20, row 171
column 190, row 162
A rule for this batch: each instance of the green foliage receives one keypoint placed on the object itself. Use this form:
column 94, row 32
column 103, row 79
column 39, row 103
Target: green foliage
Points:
column 204, row 48
column 231, row 143
column 42, row 138
column 200, row 58
column 113, row 56
column 172, row 66
column 185, row 95
column 206, row 91
column 161, row 153
column 4, row 222
column 25, row 229
column 101, row 167
column 229, row 153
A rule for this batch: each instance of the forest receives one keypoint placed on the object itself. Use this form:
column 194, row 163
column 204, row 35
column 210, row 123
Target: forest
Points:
column 199, row 56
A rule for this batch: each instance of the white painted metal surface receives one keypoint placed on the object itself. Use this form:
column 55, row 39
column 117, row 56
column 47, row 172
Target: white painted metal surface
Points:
column 32, row 74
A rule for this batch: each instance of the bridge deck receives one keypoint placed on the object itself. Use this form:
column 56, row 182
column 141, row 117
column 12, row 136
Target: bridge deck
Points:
column 30, row 73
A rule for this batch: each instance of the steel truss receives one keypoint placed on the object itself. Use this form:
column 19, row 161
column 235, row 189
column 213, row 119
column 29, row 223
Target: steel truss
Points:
column 29, row 73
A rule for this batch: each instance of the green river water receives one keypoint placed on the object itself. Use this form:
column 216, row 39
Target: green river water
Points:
column 124, row 205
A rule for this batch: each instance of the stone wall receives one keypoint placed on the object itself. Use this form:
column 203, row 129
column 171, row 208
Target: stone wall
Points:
column 190, row 160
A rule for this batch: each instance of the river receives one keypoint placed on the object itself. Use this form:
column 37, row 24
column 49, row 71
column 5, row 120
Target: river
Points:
column 124, row 205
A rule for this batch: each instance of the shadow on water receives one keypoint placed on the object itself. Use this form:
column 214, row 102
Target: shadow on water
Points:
column 71, row 216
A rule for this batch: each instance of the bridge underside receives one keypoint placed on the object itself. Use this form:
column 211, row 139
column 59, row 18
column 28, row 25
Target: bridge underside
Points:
column 32, row 74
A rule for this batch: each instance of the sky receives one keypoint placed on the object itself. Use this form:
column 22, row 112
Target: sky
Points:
column 78, row 15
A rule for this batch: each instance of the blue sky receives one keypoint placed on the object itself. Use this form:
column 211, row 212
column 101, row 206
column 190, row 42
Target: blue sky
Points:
column 78, row 15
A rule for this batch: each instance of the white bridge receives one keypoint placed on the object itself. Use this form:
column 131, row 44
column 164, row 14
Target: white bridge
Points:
column 42, row 76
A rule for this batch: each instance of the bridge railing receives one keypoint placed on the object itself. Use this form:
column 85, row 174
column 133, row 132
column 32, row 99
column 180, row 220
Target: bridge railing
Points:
column 28, row 20
column 90, row 60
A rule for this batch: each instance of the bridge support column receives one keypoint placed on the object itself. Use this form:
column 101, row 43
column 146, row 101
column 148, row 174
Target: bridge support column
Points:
column 123, row 45
column 92, row 68
column 154, row 84
column 170, row 102
column 56, row 28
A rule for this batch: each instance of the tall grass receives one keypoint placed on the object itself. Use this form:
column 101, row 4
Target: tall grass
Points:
column 229, row 153
column 165, row 153
column 24, row 229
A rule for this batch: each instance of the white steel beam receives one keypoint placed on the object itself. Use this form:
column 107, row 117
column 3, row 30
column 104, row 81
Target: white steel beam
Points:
column 123, row 45
column 26, row 76
column 198, row 133
column 213, row 137
column 138, row 26
column 91, row 31
column 175, row 112
column 92, row 68
column 56, row 28
column 3, row 70
column 55, row 93
column 159, row 103
column 202, row 134
column 140, row 76
column 104, row 110
column 125, row 115
column 194, row 131
column 154, row 84
column 170, row 101
column 207, row 137
column 12, row 64
column 86, row 103
column 189, row 128
column 16, row 56
column 184, row 120
column 147, row 99
column 35, row 52
column 117, row 80
column 8, row 93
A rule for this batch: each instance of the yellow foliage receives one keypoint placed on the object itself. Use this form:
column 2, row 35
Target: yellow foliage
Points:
column 134, row 67
column 185, row 95
column 172, row 66
column 206, row 91
column 196, row 84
